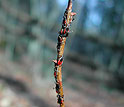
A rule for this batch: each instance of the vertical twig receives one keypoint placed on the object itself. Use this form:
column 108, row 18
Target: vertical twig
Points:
column 63, row 34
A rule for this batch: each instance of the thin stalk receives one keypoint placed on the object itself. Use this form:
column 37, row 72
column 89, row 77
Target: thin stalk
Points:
column 63, row 34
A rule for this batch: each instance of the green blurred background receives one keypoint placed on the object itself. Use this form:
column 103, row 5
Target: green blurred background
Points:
column 93, row 69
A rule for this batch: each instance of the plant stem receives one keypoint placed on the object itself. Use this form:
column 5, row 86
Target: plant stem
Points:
column 63, row 34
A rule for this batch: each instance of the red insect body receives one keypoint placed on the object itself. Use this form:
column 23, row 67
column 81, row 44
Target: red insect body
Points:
column 64, row 31
column 55, row 74
column 60, row 62
column 57, row 91
column 61, row 101
column 61, row 31
column 64, row 22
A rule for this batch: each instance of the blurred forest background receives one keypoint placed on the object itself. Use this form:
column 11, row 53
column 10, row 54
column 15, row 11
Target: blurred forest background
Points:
column 93, row 70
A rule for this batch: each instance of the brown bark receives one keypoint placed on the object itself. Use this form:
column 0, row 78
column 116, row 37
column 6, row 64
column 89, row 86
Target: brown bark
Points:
column 63, row 34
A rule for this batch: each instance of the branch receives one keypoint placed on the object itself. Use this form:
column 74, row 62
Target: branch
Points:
column 63, row 34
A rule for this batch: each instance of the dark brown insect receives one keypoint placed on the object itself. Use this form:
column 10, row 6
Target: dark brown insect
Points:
column 60, row 100
column 57, row 88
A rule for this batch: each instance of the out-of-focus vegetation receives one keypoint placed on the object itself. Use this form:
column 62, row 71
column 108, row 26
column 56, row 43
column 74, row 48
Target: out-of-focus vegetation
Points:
column 94, row 51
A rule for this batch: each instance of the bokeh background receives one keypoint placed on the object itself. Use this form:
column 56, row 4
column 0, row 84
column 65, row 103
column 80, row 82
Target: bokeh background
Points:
column 93, row 69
